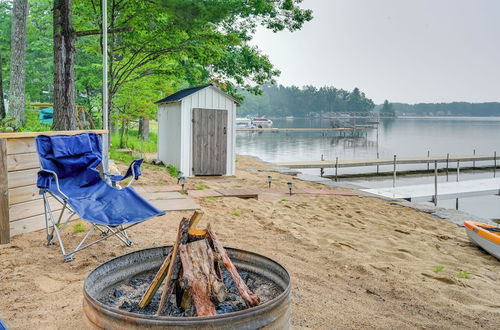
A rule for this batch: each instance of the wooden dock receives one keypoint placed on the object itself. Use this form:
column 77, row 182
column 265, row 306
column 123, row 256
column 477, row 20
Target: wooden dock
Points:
column 445, row 190
column 300, row 129
column 385, row 161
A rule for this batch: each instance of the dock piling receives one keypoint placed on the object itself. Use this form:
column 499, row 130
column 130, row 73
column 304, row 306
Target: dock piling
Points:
column 473, row 159
column 336, row 168
column 377, row 158
column 495, row 164
column 394, row 173
column 428, row 156
column 458, row 178
column 447, row 165
column 321, row 170
column 435, row 182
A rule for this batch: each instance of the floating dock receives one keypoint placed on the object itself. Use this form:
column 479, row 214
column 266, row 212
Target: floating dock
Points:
column 445, row 190
column 385, row 161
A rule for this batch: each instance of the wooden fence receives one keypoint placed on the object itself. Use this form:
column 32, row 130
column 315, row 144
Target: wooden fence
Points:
column 21, row 206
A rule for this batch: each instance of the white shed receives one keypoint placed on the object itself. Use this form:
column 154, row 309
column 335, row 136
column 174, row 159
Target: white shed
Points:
column 197, row 131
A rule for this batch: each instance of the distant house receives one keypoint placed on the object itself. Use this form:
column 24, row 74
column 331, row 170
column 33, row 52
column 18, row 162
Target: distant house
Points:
column 197, row 131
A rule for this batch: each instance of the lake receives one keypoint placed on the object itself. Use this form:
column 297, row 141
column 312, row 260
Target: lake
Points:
column 404, row 137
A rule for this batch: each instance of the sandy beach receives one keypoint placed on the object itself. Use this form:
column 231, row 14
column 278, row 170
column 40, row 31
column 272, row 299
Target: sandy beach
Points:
column 355, row 262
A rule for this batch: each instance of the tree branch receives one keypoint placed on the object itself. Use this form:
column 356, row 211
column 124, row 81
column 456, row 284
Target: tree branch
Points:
column 98, row 32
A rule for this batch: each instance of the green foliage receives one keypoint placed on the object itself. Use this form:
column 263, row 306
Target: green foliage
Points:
column 464, row 274
column 5, row 31
column 212, row 198
column 165, row 46
column 33, row 124
column 173, row 171
column 236, row 213
column 134, row 142
column 201, row 187
column 280, row 101
column 437, row 269
column 387, row 110
column 78, row 227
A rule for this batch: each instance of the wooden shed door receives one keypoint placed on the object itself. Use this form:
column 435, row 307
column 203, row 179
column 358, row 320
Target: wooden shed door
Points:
column 209, row 141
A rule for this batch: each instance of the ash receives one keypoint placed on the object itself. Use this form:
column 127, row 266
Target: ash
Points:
column 127, row 295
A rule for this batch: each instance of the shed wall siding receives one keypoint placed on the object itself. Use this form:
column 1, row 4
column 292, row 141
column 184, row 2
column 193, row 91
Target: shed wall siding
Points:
column 169, row 136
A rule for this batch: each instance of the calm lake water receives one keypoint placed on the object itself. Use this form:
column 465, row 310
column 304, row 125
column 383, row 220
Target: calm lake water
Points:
column 404, row 137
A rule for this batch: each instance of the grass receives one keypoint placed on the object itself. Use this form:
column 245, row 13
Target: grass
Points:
column 173, row 171
column 464, row 274
column 78, row 227
column 284, row 200
column 134, row 142
column 437, row 269
column 236, row 213
column 201, row 187
column 212, row 198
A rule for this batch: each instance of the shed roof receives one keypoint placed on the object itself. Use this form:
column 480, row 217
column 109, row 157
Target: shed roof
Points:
column 188, row 91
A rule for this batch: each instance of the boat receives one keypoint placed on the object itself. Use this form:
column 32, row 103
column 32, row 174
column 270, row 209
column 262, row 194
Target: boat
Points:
column 485, row 236
column 244, row 123
column 262, row 122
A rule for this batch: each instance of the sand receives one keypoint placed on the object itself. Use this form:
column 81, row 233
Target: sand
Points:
column 356, row 262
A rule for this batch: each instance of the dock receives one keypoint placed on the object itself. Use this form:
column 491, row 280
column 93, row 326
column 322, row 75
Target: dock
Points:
column 299, row 129
column 445, row 190
column 338, row 163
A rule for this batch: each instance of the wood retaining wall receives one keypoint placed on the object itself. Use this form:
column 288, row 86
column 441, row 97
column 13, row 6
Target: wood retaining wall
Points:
column 21, row 206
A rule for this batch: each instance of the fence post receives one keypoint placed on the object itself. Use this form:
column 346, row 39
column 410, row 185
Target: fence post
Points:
column 428, row 155
column 474, row 159
column 394, row 173
column 377, row 164
column 435, row 182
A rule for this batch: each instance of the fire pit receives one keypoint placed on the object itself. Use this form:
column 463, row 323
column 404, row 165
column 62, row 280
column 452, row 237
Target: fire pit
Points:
column 112, row 292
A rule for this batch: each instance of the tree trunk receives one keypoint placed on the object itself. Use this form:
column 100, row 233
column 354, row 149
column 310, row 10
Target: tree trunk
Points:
column 2, row 105
column 122, row 133
column 64, row 73
column 144, row 128
column 18, row 60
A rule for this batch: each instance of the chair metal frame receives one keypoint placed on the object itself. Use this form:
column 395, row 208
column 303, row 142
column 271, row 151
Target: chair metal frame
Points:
column 56, row 227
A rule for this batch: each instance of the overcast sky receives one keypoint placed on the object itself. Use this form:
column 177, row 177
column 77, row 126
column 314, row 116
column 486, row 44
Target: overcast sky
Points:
column 401, row 50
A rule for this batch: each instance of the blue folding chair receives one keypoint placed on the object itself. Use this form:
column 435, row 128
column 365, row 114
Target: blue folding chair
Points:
column 69, row 173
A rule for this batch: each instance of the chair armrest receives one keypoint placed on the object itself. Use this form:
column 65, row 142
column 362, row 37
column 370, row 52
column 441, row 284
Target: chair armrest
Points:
column 45, row 173
column 134, row 171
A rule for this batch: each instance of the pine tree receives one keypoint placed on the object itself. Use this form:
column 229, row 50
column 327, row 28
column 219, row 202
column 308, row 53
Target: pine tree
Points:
column 18, row 60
